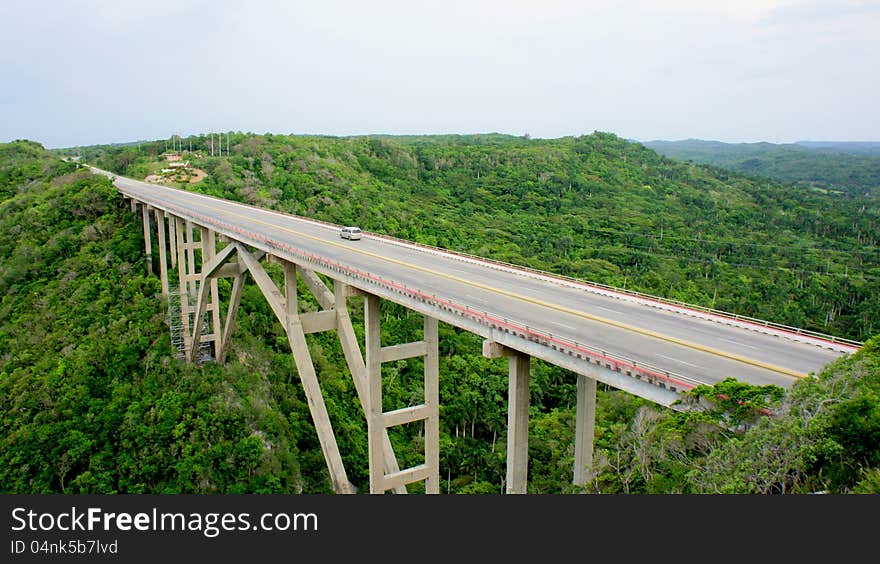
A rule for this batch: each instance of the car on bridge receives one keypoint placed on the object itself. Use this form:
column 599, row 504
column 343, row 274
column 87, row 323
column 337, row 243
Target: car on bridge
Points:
column 351, row 233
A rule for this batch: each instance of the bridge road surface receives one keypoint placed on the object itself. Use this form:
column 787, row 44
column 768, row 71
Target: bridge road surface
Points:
column 704, row 350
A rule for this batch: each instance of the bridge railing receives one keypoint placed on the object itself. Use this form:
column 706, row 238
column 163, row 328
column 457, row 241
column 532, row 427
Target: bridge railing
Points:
column 618, row 363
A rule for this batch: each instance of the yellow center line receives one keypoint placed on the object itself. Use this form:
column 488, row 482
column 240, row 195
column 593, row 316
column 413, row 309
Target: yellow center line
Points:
column 577, row 313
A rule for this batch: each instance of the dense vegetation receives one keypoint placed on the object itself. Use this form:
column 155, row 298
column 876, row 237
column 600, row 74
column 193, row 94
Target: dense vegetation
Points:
column 849, row 168
column 95, row 402
column 92, row 400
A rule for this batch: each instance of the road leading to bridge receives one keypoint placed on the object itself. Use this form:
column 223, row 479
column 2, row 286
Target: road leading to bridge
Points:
column 704, row 350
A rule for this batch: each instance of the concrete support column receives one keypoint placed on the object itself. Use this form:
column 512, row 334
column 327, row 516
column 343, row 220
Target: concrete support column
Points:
column 209, row 251
column 432, row 403
column 183, row 284
column 163, row 254
column 172, row 238
column 306, row 369
column 148, row 244
column 355, row 361
column 375, row 426
column 585, row 424
column 190, row 260
column 381, row 455
column 518, row 423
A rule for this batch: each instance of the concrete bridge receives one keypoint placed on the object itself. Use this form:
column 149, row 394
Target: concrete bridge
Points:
column 653, row 348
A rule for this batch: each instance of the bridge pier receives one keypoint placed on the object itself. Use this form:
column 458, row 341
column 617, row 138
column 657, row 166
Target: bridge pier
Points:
column 184, row 268
column 309, row 378
column 517, row 414
column 584, row 430
column 148, row 244
column 163, row 255
column 378, row 420
column 209, row 251
column 189, row 251
column 172, row 239
column 207, row 299
column 357, row 366
column 518, row 423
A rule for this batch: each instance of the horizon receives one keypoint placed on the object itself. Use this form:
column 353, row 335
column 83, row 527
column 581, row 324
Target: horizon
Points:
column 184, row 137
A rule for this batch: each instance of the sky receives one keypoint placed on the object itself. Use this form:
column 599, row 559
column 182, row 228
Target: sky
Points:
column 85, row 72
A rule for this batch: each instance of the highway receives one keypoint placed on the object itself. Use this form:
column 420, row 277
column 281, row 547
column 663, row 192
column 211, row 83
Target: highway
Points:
column 701, row 349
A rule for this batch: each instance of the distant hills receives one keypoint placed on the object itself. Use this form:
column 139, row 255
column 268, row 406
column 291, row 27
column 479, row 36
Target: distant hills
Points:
column 851, row 168
column 855, row 147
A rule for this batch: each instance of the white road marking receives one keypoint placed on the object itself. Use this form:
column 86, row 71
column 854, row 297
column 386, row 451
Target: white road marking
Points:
column 605, row 308
column 679, row 361
column 738, row 343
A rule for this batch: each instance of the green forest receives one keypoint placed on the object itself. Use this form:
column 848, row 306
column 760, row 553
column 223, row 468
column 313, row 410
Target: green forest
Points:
column 849, row 168
column 96, row 402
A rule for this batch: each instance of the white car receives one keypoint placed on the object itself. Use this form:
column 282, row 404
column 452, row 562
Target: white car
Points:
column 352, row 233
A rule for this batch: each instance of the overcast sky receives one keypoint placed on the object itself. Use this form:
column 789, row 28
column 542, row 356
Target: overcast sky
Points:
column 102, row 71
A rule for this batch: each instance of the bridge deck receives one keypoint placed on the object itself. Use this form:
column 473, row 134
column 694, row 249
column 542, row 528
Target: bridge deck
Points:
column 701, row 349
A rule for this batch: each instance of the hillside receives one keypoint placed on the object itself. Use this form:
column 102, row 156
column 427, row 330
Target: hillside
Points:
column 848, row 168
column 94, row 401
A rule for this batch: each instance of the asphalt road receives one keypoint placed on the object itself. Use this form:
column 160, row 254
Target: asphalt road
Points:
column 704, row 350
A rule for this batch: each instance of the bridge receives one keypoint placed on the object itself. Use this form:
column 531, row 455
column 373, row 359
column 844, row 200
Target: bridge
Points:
column 653, row 348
